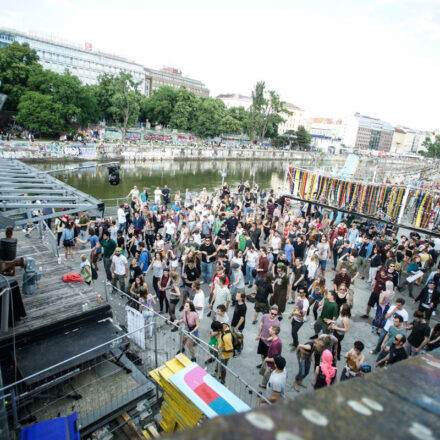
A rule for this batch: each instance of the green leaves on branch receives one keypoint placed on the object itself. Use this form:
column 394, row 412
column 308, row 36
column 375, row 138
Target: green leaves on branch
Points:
column 432, row 147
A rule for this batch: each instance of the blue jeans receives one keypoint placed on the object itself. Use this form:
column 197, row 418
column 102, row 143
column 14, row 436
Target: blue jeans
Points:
column 303, row 366
column 249, row 278
column 383, row 333
column 122, row 226
column 149, row 317
column 206, row 272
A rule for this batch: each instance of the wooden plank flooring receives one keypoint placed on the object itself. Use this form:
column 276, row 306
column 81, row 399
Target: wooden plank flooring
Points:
column 53, row 299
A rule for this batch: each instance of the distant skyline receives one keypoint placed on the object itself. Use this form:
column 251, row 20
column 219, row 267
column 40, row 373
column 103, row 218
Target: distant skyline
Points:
column 332, row 58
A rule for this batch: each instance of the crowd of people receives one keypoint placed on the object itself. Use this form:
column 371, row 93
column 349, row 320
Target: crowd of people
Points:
column 216, row 255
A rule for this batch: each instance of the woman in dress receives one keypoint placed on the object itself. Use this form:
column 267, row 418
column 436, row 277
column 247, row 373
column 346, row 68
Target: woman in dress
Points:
column 190, row 319
column 318, row 291
column 280, row 290
column 385, row 299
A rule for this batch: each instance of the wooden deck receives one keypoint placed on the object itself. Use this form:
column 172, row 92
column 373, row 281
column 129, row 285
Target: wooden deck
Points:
column 53, row 300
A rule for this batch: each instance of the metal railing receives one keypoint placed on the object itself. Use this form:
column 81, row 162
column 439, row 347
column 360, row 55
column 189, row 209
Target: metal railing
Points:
column 48, row 238
column 168, row 343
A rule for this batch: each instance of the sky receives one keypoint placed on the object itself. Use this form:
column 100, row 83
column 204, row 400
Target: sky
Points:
column 332, row 58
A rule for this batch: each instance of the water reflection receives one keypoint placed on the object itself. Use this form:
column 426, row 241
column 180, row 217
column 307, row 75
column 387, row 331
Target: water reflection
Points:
column 178, row 175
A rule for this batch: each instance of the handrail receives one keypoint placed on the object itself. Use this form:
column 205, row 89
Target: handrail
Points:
column 198, row 341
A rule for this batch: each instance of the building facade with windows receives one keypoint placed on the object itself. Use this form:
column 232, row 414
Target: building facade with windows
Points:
column 366, row 133
column 292, row 121
column 84, row 62
column 88, row 64
column 235, row 100
column 172, row 77
column 327, row 127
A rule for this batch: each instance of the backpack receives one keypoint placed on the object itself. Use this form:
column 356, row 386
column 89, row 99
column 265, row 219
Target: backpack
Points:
column 94, row 274
column 237, row 338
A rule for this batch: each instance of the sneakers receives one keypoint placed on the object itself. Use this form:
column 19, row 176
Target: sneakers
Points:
column 259, row 366
column 374, row 351
column 364, row 316
column 255, row 321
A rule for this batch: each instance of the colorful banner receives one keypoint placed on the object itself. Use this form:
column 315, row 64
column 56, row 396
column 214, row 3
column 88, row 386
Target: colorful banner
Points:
column 206, row 393
column 383, row 202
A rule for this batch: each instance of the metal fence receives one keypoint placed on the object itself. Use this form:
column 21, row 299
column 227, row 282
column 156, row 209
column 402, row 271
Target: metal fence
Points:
column 95, row 385
column 166, row 344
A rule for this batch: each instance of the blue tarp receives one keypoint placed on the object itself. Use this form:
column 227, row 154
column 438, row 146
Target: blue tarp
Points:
column 62, row 428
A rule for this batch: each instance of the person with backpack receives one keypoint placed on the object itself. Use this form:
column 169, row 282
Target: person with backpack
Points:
column 226, row 347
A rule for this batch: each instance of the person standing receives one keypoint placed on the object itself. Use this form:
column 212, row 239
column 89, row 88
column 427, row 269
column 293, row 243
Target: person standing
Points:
column 428, row 299
column 329, row 313
column 190, row 318
column 340, row 326
column 199, row 299
column 108, row 246
column 267, row 320
column 119, row 267
column 419, row 335
column 67, row 237
column 239, row 317
column 226, row 347
column 275, row 348
column 323, row 250
column 85, row 269
column 276, row 385
column 208, row 252
column 237, row 281
column 190, row 274
column 221, row 295
column 166, row 195
column 298, row 314
column 280, row 290
column 146, row 301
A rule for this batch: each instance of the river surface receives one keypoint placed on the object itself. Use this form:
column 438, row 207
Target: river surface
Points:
column 178, row 175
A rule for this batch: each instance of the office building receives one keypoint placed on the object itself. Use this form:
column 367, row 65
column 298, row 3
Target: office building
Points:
column 366, row 133
column 235, row 100
column 172, row 77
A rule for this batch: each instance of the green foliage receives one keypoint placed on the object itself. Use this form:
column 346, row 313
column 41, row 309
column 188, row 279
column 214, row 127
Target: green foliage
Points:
column 40, row 113
column 65, row 103
column 125, row 101
column 185, row 110
column 210, row 114
column 432, row 147
column 17, row 63
column 303, row 138
column 265, row 113
column 159, row 107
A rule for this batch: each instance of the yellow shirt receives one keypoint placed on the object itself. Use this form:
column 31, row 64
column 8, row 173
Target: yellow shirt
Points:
column 226, row 345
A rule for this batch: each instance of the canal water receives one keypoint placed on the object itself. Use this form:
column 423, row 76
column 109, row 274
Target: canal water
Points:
column 178, row 175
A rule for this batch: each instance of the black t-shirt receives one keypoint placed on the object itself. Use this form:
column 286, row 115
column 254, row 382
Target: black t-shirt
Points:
column 239, row 311
column 191, row 274
column 419, row 332
column 363, row 251
column 397, row 355
column 120, row 242
column 394, row 277
column 299, row 249
column 209, row 249
column 263, row 291
column 134, row 272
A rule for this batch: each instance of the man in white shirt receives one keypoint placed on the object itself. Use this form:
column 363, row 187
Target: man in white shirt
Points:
column 133, row 193
column 122, row 219
column 119, row 269
column 275, row 244
column 170, row 230
column 396, row 309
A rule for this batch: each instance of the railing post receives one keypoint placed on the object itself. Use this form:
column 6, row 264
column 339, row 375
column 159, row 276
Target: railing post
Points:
column 14, row 409
column 106, row 291
column 4, row 428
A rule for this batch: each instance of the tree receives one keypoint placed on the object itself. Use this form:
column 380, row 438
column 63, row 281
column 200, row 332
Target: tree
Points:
column 184, row 112
column 40, row 113
column 103, row 92
column 303, row 138
column 125, row 101
column 230, row 125
column 159, row 107
column 210, row 115
column 88, row 105
column 272, row 110
column 17, row 63
column 256, row 120
column 432, row 147
column 241, row 115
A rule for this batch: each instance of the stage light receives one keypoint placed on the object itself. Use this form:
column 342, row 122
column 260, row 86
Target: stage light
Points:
column 113, row 175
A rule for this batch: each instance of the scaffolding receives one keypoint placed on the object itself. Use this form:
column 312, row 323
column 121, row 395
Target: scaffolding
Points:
column 25, row 191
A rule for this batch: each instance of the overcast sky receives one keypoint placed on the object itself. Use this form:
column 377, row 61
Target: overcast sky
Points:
column 332, row 58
